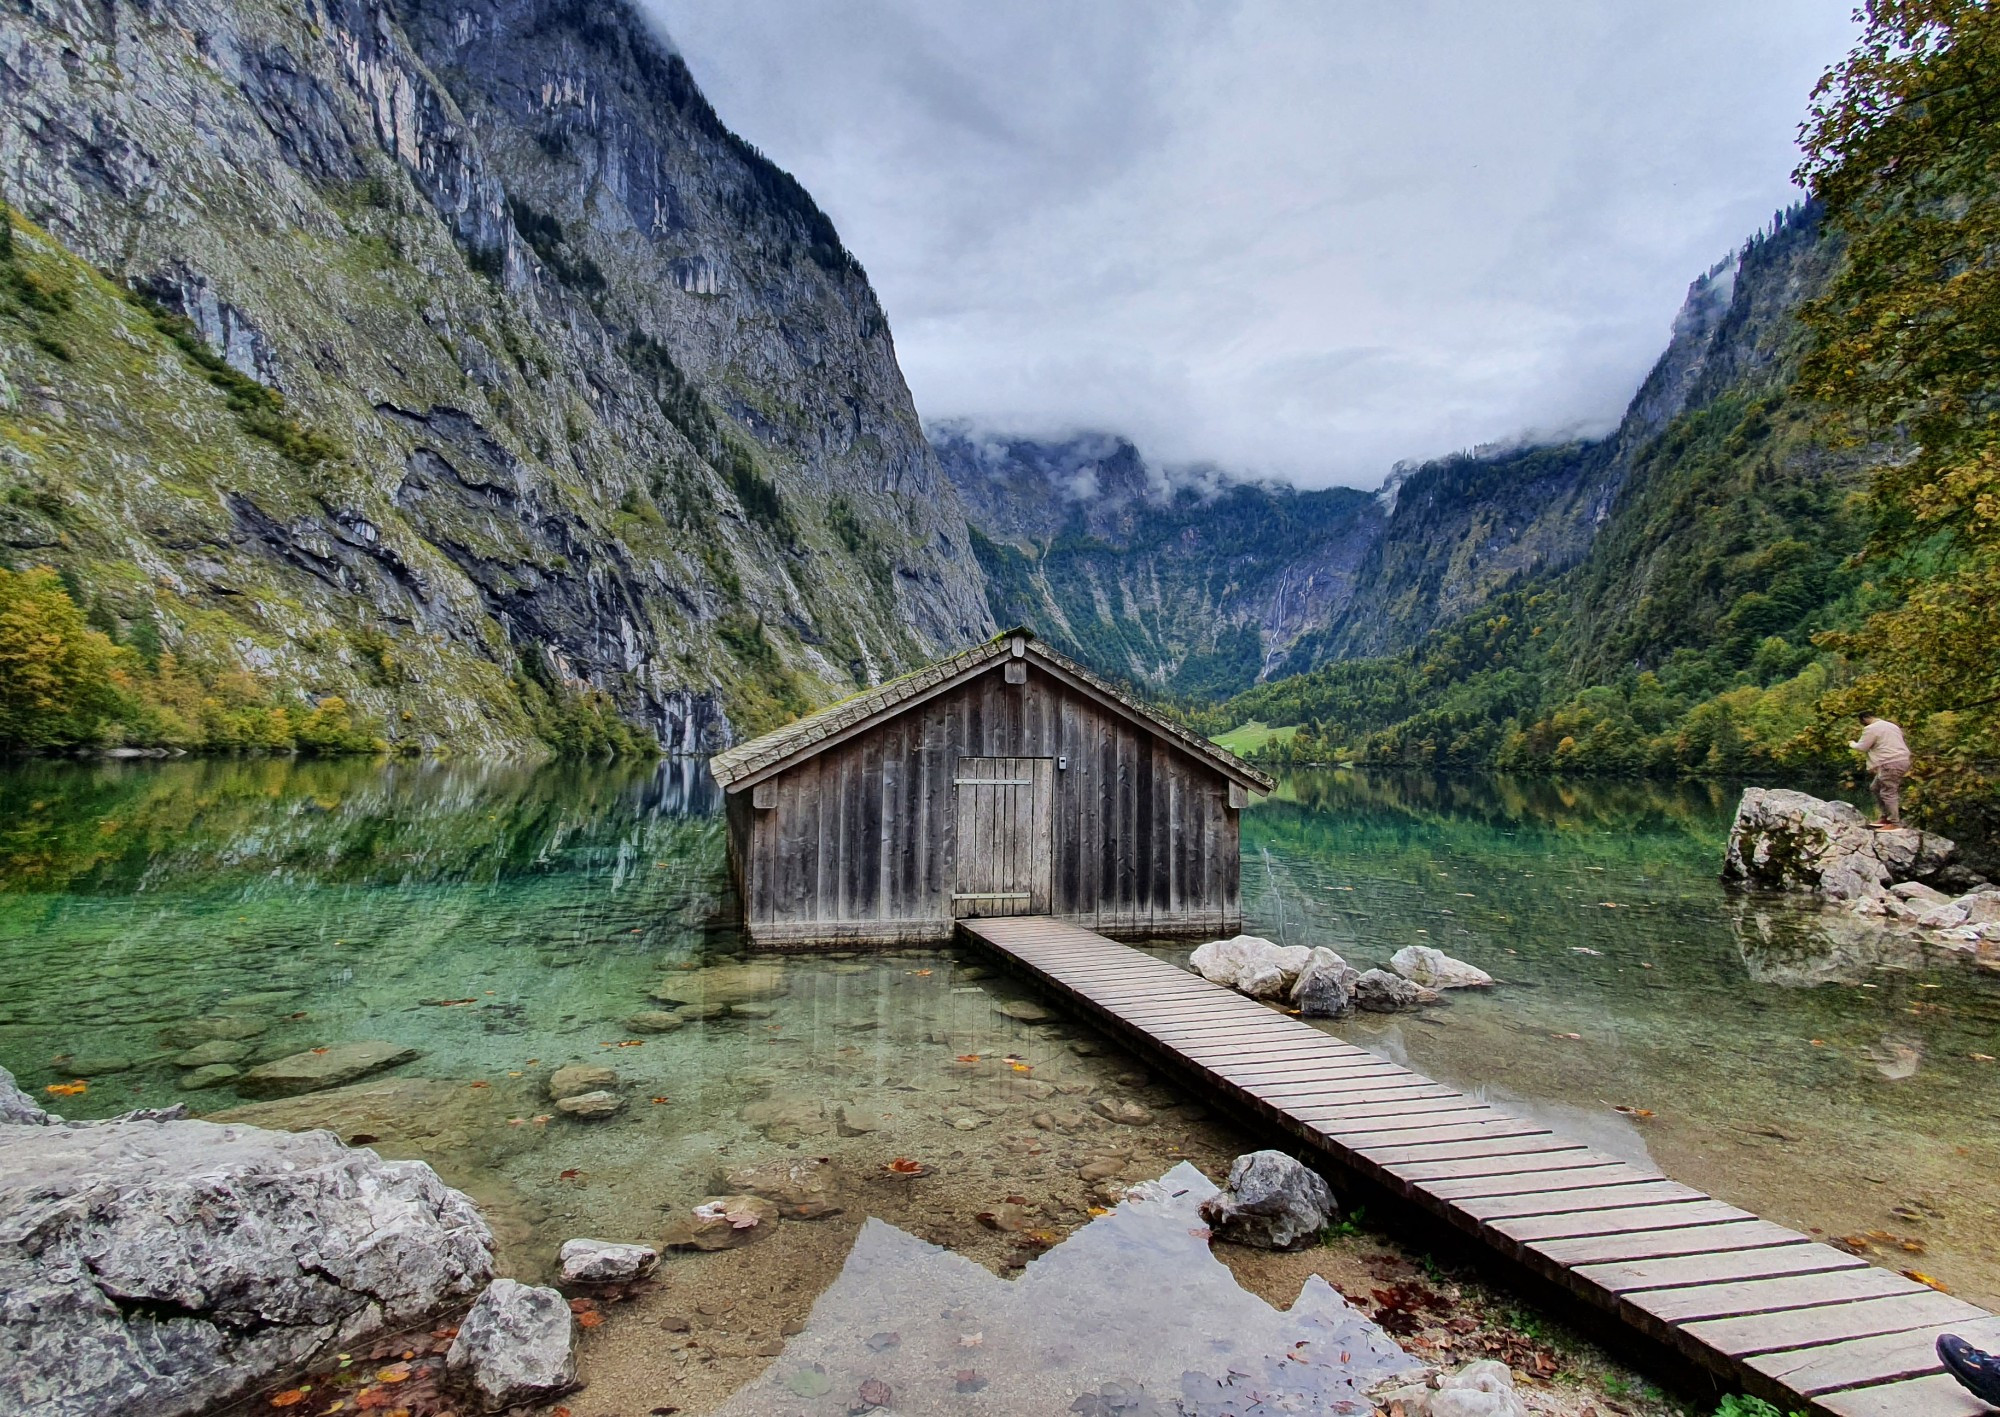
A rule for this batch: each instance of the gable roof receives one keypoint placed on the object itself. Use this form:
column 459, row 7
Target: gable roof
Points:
column 749, row 762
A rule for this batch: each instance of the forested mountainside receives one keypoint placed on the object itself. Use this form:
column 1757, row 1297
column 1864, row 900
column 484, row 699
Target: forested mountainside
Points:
column 1194, row 586
column 451, row 365
column 1681, row 636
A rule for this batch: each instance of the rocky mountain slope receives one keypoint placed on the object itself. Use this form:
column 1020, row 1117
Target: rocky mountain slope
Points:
column 453, row 360
column 1683, row 636
column 1197, row 585
column 1213, row 588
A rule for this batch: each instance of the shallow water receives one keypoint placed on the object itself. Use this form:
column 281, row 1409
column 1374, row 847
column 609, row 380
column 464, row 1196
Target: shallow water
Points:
column 504, row 921
column 1817, row 1071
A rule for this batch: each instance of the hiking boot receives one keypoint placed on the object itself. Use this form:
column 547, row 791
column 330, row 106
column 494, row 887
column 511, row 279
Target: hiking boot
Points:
column 1978, row 1373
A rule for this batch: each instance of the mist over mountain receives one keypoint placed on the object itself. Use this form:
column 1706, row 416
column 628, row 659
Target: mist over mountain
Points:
column 1205, row 590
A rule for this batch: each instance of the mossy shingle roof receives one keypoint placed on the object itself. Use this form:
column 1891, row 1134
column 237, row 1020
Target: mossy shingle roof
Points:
column 805, row 736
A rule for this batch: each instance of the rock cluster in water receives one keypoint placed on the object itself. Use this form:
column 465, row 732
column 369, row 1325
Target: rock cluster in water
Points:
column 1320, row 984
column 1790, row 841
column 170, row 1266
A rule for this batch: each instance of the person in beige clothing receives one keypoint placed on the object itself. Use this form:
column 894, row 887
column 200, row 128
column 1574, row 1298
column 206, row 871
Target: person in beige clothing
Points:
column 1889, row 760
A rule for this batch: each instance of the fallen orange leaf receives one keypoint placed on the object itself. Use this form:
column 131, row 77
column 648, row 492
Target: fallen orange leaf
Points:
column 319, row 1050
column 1022, row 1067
column 968, row 1057
column 67, row 1089
column 394, row 1373
column 920, row 973
column 589, row 1320
column 290, row 1397
column 482, row 1084
column 903, row 1166
column 658, row 1100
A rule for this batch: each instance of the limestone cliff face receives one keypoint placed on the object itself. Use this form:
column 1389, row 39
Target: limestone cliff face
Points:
column 1197, row 584
column 582, row 389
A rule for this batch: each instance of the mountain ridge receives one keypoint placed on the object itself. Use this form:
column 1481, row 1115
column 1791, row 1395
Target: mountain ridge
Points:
column 602, row 405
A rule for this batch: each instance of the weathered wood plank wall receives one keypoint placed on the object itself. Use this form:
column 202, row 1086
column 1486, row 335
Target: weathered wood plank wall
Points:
column 860, row 842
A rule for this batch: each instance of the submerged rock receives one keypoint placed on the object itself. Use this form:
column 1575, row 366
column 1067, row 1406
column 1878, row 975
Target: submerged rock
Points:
column 516, row 1345
column 1272, row 1202
column 1434, row 969
column 579, row 1078
column 1023, row 1011
column 724, row 985
column 591, row 1106
column 170, row 1267
column 655, row 1021
column 322, row 1067
column 1325, row 987
column 208, row 1075
column 723, row 1223
column 202, row 1030
column 801, row 1189
column 89, row 1065
column 1118, row 1109
column 603, row 1262
column 216, row 1050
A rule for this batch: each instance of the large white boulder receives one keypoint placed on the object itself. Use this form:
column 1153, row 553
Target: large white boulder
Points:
column 1434, row 969
column 1252, row 964
column 17, row 1107
column 1272, row 1202
column 1793, row 841
column 170, row 1267
column 516, row 1345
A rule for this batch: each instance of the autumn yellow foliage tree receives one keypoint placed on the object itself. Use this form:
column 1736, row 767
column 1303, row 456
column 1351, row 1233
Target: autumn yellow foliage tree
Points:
column 1903, row 147
column 60, row 680
column 66, row 684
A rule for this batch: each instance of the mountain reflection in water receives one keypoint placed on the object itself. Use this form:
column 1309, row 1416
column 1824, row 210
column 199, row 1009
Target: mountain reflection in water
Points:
column 1131, row 1315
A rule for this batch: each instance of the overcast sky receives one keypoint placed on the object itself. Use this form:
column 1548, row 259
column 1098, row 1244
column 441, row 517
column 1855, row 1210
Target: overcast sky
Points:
column 1298, row 239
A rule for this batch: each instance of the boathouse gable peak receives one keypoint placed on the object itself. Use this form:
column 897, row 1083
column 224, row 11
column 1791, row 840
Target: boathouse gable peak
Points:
column 772, row 753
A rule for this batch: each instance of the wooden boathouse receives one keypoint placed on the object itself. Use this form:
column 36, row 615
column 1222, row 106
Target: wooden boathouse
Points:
column 1005, row 780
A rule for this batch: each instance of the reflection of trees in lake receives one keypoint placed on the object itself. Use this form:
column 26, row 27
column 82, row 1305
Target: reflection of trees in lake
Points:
column 136, row 826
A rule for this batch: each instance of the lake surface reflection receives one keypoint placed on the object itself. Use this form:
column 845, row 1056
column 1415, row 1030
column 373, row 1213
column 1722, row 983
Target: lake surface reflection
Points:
column 1793, row 1061
column 159, row 919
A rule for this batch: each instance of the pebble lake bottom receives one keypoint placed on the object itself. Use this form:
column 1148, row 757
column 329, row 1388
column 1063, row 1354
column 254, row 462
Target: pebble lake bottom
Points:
column 165, row 928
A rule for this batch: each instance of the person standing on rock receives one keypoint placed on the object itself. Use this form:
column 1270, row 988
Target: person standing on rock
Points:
column 1889, row 760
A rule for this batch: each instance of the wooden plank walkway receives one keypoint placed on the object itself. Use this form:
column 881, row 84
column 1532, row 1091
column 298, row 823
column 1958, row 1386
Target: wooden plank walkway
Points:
column 1766, row 1309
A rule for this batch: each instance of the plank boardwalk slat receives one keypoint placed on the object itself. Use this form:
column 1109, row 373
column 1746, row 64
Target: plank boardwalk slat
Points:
column 1763, row 1307
column 1766, row 1296
column 1885, row 1359
column 1802, row 1328
column 1770, row 1262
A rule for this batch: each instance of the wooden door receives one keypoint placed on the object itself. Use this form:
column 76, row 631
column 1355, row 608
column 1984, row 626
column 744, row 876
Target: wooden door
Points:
column 1003, row 853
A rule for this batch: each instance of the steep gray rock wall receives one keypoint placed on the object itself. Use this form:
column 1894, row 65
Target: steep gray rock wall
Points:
column 1196, row 584
column 604, row 400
